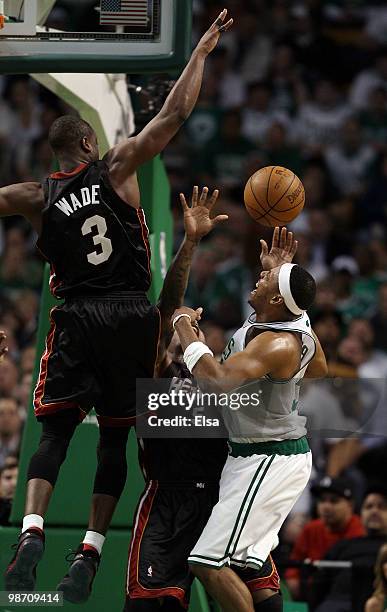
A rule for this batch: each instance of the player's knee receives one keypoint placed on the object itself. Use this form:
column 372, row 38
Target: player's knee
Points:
column 54, row 442
column 206, row 575
column 274, row 603
column 112, row 467
column 112, row 443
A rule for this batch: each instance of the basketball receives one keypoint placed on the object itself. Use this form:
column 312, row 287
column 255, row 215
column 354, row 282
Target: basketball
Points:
column 274, row 196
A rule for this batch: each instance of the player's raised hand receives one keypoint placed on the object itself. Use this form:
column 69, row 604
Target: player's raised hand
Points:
column 3, row 346
column 197, row 219
column 184, row 313
column 283, row 249
column 210, row 39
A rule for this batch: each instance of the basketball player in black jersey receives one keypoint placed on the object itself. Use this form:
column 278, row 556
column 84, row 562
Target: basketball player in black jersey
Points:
column 92, row 231
column 182, row 475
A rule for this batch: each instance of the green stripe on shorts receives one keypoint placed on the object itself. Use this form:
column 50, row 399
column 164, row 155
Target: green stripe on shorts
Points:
column 243, row 522
column 242, row 506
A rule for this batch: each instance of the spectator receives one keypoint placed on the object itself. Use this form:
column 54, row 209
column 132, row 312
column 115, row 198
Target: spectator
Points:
column 26, row 127
column 27, row 359
column 328, row 427
column 336, row 521
column 17, row 268
column 347, row 590
column 348, row 303
column 372, row 208
column 379, row 320
column 367, row 80
column 377, row 603
column 203, row 126
column 8, row 377
column 8, row 480
column 320, row 119
column 231, row 88
column 258, row 115
column 350, row 161
column 288, row 89
column 27, row 308
column 225, row 159
column 328, row 328
column 279, row 152
column 375, row 363
column 10, row 428
column 373, row 119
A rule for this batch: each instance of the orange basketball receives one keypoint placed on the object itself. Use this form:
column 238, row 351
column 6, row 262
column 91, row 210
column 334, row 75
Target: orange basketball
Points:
column 274, row 196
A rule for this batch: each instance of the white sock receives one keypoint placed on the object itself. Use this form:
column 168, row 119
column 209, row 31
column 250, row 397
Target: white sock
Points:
column 94, row 539
column 32, row 520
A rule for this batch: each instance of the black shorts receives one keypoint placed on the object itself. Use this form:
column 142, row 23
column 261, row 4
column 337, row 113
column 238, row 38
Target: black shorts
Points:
column 168, row 522
column 265, row 578
column 95, row 350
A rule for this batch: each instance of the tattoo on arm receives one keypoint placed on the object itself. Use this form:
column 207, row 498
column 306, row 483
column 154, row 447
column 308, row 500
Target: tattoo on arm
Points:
column 174, row 288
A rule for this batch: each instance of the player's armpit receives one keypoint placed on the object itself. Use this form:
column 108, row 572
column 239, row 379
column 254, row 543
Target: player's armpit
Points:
column 318, row 367
column 25, row 199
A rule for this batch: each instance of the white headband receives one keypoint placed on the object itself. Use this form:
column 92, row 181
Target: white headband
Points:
column 285, row 291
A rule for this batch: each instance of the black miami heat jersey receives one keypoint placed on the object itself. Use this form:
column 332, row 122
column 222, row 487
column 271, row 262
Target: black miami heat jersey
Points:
column 182, row 459
column 95, row 242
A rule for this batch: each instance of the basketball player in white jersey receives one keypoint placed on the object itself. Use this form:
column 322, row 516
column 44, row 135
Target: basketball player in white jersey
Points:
column 269, row 462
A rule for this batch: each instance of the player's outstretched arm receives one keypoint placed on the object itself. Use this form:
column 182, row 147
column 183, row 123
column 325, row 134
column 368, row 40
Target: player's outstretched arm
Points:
column 25, row 199
column 267, row 353
column 126, row 157
column 197, row 224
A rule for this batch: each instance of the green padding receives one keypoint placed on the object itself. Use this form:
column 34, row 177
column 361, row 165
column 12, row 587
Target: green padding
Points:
column 199, row 600
column 155, row 199
column 285, row 591
column 296, row 606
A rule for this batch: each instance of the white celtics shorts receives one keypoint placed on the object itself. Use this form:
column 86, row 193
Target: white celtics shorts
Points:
column 257, row 492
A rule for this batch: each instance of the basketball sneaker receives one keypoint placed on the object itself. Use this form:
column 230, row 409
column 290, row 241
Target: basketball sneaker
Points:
column 20, row 574
column 76, row 585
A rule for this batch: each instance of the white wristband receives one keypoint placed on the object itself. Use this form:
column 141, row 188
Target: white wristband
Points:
column 179, row 316
column 194, row 352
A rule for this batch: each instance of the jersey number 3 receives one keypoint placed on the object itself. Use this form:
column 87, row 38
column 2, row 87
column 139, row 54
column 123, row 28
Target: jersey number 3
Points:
column 99, row 239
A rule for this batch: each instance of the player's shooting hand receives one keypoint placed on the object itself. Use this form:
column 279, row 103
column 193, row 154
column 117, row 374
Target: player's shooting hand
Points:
column 3, row 346
column 194, row 315
column 197, row 220
column 283, row 249
column 210, row 39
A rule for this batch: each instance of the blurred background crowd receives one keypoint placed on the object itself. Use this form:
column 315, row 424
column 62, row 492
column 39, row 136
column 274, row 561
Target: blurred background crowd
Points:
column 301, row 84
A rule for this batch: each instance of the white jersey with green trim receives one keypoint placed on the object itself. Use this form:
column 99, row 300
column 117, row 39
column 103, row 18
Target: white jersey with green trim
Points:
column 269, row 410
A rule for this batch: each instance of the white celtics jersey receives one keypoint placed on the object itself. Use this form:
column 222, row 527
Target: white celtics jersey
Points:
column 272, row 410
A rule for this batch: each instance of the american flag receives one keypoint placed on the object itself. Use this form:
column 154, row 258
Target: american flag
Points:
column 124, row 12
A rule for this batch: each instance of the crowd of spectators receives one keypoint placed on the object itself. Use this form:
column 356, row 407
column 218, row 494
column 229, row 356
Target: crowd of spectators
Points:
column 301, row 84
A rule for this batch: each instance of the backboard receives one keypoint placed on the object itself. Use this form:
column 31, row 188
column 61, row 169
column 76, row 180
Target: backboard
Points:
column 112, row 36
